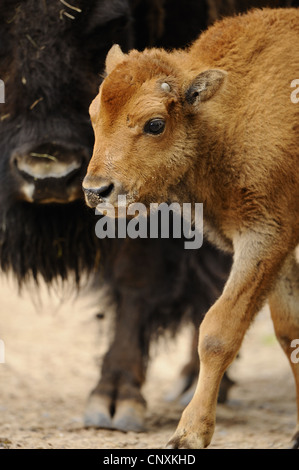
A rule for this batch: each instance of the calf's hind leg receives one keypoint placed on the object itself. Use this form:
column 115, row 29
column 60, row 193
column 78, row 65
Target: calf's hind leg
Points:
column 284, row 306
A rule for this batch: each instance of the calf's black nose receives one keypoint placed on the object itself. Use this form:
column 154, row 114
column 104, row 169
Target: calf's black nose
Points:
column 96, row 195
column 103, row 191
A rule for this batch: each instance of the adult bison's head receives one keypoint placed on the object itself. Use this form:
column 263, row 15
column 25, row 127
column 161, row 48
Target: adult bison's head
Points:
column 52, row 55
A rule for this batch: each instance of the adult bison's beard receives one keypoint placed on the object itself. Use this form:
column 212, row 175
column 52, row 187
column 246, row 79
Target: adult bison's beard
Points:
column 52, row 241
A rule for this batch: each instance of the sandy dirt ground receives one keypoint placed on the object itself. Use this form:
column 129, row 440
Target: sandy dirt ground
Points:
column 53, row 351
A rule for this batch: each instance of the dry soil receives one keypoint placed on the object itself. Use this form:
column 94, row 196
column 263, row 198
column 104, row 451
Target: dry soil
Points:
column 53, row 350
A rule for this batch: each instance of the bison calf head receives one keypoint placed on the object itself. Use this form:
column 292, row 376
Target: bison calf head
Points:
column 145, row 120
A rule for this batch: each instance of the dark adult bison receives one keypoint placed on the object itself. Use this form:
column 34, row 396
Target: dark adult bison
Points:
column 173, row 23
column 51, row 59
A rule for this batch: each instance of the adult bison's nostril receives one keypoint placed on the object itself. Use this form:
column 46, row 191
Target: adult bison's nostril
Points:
column 49, row 172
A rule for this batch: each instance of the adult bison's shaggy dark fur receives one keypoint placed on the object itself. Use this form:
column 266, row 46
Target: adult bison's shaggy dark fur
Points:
column 51, row 65
column 173, row 24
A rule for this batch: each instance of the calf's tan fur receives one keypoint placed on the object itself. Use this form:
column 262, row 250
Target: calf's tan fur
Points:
column 231, row 141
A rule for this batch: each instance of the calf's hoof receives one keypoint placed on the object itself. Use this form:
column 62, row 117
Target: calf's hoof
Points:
column 194, row 431
column 186, row 440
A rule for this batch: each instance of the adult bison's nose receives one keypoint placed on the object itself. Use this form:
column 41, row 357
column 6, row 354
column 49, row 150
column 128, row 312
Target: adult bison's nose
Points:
column 50, row 172
column 99, row 190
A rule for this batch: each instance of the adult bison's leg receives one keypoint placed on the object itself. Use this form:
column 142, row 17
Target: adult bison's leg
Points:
column 117, row 402
column 183, row 388
column 256, row 264
column 284, row 306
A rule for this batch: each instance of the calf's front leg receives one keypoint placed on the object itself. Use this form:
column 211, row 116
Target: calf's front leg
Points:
column 257, row 261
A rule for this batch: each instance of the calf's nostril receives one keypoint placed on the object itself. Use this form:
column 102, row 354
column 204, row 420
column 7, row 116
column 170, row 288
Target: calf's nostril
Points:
column 105, row 191
column 102, row 192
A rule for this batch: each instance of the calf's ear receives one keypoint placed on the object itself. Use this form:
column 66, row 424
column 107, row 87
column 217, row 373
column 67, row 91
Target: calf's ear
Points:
column 114, row 57
column 204, row 86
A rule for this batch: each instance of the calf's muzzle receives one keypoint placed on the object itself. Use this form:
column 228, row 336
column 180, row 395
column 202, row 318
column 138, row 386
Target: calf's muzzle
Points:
column 100, row 190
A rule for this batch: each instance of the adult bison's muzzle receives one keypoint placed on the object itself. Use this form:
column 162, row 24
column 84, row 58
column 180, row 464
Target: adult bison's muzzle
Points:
column 49, row 172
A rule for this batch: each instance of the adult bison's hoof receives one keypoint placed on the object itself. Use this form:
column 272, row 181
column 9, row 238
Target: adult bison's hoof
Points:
column 123, row 415
column 129, row 416
column 97, row 412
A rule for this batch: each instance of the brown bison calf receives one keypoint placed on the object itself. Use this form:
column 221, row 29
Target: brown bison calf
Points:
column 215, row 124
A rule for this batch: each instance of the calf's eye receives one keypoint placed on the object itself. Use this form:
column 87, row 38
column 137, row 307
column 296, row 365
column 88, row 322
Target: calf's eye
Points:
column 154, row 126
